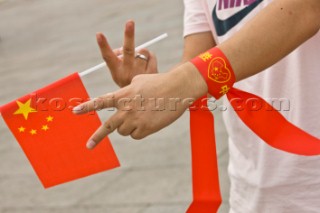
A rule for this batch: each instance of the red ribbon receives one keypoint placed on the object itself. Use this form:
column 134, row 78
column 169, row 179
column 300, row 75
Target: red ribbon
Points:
column 205, row 179
column 265, row 121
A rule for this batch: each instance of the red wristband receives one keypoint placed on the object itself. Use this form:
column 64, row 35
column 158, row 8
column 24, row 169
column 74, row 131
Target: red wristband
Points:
column 216, row 69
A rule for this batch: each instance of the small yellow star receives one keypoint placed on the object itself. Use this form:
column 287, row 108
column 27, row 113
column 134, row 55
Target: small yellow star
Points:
column 45, row 127
column 24, row 109
column 21, row 129
column 49, row 118
column 33, row 132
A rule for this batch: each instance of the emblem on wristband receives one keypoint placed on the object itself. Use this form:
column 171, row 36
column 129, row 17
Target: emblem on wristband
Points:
column 218, row 70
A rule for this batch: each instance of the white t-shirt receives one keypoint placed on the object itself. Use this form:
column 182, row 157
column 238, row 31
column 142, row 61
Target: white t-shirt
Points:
column 263, row 179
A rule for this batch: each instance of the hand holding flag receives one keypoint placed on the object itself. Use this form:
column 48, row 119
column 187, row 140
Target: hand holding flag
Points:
column 52, row 137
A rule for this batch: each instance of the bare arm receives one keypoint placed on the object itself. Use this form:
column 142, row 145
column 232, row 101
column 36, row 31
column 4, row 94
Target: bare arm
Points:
column 271, row 35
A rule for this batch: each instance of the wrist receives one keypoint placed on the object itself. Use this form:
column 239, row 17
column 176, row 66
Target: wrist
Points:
column 189, row 81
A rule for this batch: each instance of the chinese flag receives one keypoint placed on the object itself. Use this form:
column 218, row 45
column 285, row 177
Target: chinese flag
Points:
column 53, row 138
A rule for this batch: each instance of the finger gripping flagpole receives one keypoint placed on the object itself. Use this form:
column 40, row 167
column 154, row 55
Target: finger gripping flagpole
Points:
column 145, row 45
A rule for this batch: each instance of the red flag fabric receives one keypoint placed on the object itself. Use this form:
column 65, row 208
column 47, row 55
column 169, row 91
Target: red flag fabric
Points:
column 53, row 138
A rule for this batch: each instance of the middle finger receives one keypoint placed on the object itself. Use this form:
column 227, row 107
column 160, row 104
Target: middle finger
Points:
column 128, row 46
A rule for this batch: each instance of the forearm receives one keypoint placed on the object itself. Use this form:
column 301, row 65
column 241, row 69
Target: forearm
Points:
column 196, row 44
column 271, row 35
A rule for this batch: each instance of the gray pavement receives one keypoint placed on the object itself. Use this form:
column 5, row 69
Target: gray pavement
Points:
column 44, row 40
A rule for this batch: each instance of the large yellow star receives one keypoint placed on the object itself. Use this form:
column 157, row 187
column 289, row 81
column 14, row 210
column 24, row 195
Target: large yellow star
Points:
column 24, row 109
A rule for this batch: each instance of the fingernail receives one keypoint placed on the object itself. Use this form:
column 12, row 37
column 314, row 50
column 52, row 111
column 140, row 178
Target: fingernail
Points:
column 91, row 144
column 130, row 23
column 77, row 109
column 98, row 36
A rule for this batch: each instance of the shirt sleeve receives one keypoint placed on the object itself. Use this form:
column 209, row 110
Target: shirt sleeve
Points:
column 195, row 20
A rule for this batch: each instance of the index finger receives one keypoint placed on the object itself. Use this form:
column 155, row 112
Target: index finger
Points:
column 105, row 129
column 107, row 53
column 102, row 102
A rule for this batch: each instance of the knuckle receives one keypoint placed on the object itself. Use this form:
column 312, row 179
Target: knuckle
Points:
column 122, row 132
column 117, row 52
column 108, row 126
column 128, row 51
column 106, row 57
column 137, row 135
column 97, row 104
column 144, row 52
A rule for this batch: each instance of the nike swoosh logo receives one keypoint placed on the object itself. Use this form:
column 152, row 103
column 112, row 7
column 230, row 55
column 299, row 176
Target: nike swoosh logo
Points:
column 223, row 26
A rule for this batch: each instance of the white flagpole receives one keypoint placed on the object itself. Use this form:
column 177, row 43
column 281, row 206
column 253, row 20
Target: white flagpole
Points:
column 147, row 44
